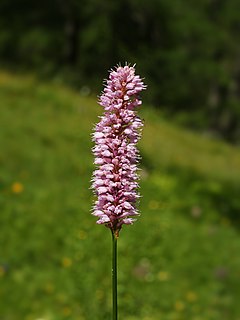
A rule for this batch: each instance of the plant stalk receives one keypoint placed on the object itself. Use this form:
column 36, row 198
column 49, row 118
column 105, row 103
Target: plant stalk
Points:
column 114, row 276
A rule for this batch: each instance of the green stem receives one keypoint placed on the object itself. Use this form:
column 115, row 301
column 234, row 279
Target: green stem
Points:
column 114, row 276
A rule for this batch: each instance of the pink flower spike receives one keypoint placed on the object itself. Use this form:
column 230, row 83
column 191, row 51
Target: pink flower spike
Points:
column 116, row 156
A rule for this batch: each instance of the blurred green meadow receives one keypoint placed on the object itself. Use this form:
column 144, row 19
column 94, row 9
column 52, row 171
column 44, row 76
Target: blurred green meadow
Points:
column 179, row 261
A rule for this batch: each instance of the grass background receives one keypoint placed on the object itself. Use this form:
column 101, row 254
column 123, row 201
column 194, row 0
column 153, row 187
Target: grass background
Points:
column 179, row 261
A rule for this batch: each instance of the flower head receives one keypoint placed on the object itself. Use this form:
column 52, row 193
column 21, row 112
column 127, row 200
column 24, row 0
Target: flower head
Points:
column 115, row 180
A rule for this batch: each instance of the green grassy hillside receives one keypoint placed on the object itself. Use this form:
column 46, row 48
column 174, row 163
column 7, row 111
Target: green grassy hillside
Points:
column 179, row 261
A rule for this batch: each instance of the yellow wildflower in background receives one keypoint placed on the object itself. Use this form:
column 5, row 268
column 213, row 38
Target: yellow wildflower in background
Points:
column 66, row 262
column 49, row 288
column 179, row 306
column 191, row 296
column 67, row 311
column 163, row 276
column 17, row 187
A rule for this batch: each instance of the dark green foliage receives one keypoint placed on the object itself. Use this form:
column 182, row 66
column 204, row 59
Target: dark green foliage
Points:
column 188, row 51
